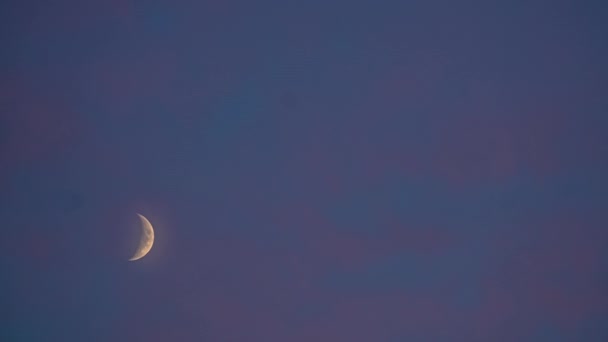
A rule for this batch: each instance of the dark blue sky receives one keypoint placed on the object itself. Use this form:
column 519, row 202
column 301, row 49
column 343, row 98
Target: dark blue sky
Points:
column 315, row 170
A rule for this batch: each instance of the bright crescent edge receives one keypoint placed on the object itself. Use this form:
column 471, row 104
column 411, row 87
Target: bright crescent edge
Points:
column 146, row 242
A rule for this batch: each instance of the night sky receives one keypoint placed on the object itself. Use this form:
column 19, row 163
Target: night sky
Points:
column 375, row 171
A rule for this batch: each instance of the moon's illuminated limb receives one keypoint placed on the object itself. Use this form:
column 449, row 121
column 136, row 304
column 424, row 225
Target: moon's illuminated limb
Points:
column 146, row 241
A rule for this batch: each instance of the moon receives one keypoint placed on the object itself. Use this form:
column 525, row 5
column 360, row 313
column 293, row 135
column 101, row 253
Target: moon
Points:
column 146, row 241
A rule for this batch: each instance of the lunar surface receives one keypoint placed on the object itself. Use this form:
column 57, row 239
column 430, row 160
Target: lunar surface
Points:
column 146, row 241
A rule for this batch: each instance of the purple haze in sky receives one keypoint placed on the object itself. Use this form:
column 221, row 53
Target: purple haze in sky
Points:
column 315, row 171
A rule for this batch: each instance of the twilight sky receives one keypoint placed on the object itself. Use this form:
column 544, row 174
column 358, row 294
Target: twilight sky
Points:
column 315, row 170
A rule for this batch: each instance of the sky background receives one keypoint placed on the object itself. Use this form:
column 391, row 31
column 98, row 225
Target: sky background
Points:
column 314, row 170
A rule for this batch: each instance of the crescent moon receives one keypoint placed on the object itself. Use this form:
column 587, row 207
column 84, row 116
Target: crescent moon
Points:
column 146, row 241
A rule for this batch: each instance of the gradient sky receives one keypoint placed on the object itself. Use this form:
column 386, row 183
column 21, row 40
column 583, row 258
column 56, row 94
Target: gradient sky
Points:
column 315, row 170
